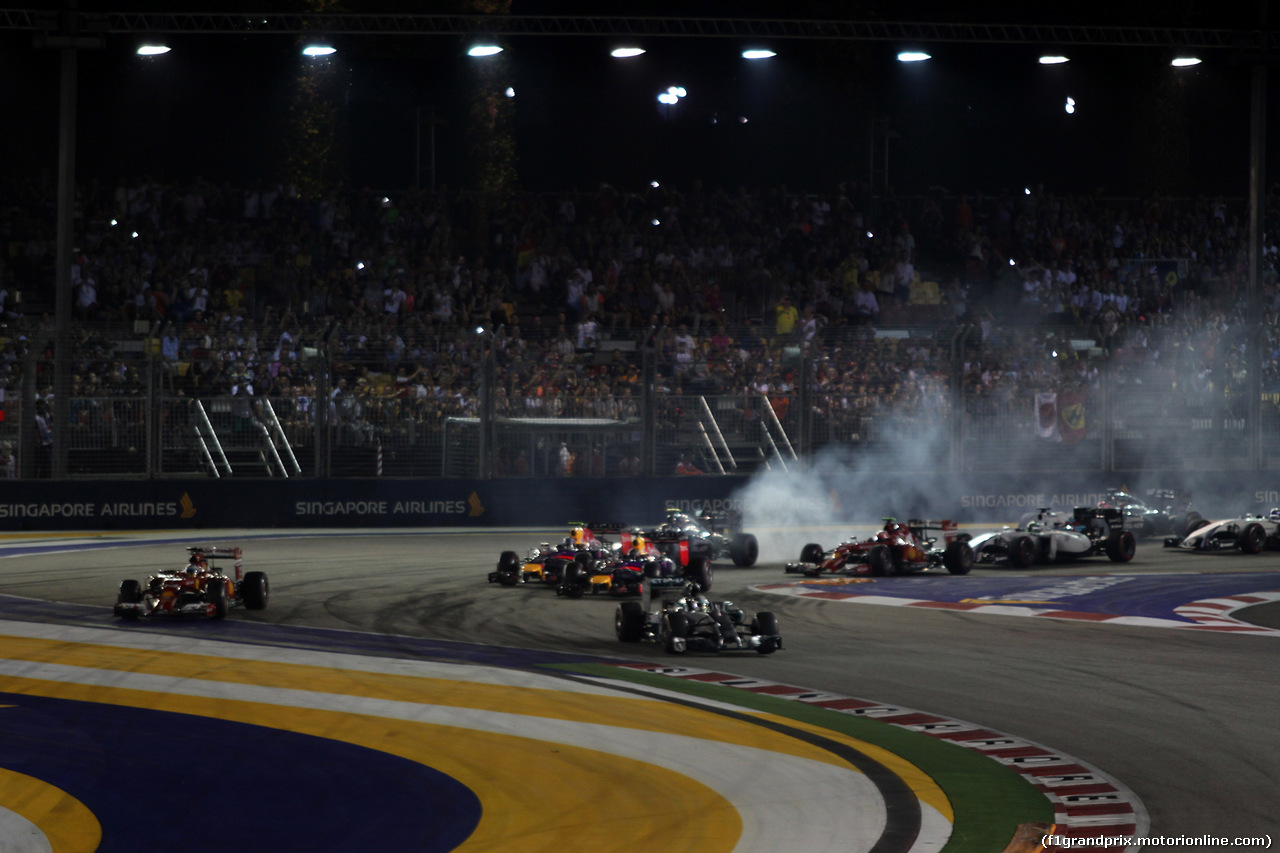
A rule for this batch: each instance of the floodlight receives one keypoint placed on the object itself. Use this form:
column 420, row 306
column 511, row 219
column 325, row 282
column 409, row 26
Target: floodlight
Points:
column 484, row 50
column 626, row 52
column 1055, row 59
column 913, row 56
column 318, row 50
column 758, row 54
column 1185, row 61
column 152, row 49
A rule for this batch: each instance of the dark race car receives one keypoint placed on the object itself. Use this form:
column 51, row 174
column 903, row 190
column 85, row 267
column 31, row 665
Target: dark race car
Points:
column 1051, row 537
column 1164, row 512
column 545, row 562
column 712, row 535
column 198, row 589
column 689, row 621
column 896, row 549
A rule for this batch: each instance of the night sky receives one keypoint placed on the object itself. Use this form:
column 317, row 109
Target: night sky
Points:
column 976, row 116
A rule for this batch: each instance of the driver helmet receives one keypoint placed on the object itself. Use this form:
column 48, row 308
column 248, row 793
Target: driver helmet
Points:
column 578, row 535
column 1274, row 515
column 897, row 528
column 568, row 542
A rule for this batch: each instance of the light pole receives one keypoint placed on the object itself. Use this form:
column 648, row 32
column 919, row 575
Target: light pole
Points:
column 433, row 120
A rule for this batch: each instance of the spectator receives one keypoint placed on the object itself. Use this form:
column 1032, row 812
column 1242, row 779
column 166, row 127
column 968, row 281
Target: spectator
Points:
column 685, row 467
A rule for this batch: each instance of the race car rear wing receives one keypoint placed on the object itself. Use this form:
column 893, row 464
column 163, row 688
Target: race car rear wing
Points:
column 926, row 528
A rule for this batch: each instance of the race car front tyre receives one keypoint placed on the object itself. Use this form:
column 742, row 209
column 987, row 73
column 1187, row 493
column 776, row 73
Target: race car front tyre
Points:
column 744, row 549
column 254, row 591
column 1193, row 522
column 675, row 632
column 958, row 558
column 628, row 621
column 880, row 561
column 215, row 593
column 1252, row 538
column 130, row 592
column 1121, row 546
column 509, row 563
column 1022, row 551
column 765, row 626
column 812, row 553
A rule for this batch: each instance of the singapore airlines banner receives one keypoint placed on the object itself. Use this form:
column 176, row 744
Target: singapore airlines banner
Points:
column 777, row 499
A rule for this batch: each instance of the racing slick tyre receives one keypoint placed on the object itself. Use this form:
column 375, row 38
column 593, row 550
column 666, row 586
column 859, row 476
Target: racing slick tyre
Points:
column 1252, row 538
column 130, row 593
column 254, row 591
column 675, row 632
column 1191, row 524
column 628, row 621
column 958, row 558
column 507, row 578
column 510, row 569
column 812, row 553
column 880, row 561
column 744, row 549
column 1121, row 546
column 215, row 593
column 1022, row 552
column 765, row 625
column 699, row 571
column 573, row 581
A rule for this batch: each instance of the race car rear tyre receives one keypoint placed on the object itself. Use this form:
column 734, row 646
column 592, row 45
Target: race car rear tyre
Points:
column 765, row 625
column 880, row 561
column 254, row 591
column 1022, row 552
column 1252, row 538
column 628, row 621
column 676, row 628
column 509, row 563
column 744, row 549
column 699, row 571
column 812, row 553
column 958, row 558
column 215, row 593
column 1121, row 546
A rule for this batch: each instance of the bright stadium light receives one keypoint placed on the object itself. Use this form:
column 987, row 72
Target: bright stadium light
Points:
column 1054, row 59
column 758, row 54
column 484, row 50
column 153, row 49
column 1185, row 61
column 913, row 56
column 318, row 50
column 626, row 52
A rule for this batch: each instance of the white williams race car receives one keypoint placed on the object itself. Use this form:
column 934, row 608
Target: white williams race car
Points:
column 1248, row 534
column 1051, row 537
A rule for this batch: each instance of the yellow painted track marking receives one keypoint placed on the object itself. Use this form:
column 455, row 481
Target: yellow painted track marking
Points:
column 67, row 824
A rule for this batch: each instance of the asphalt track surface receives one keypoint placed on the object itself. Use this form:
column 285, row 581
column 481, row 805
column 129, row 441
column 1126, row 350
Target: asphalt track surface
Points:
column 1144, row 673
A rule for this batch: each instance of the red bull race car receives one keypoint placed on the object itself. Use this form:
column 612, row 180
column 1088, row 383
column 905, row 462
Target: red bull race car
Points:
column 896, row 549
column 198, row 589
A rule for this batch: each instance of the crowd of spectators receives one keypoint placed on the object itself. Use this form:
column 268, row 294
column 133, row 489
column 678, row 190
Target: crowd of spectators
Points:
column 407, row 292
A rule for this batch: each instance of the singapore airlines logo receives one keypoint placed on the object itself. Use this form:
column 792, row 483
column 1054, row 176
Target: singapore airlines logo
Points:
column 477, row 508
column 188, row 506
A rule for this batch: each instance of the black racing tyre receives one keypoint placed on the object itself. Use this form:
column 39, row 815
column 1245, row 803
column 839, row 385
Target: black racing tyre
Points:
column 1193, row 522
column 509, row 562
column 1122, row 545
column 1252, row 538
column 744, row 549
column 215, row 593
column 880, row 560
column 573, row 575
column 676, row 626
column 508, row 578
column 958, row 558
column 699, row 571
column 628, row 622
column 812, row 553
column 254, row 590
column 1022, row 552
column 765, row 625
column 130, row 592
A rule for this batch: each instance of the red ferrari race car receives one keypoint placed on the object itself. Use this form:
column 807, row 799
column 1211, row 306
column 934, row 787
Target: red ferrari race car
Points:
column 897, row 549
column 199, row 588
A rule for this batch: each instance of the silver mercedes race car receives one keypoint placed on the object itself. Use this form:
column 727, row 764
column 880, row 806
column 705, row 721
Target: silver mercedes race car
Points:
column 1248, row 534
column 1048, row 536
